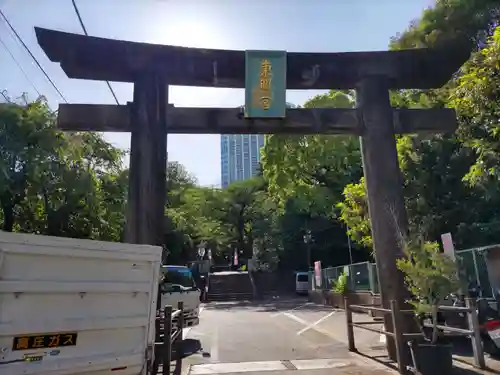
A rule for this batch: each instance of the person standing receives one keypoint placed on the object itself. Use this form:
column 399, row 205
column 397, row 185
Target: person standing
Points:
column 203, row 288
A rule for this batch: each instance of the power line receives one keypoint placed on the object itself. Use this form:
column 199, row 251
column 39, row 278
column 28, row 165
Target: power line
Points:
column 20, row 67
column 75, row 7
column 4, row 95
column 32, row 56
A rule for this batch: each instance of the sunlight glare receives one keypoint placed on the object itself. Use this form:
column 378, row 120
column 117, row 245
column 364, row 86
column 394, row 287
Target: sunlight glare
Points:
column 188, row 33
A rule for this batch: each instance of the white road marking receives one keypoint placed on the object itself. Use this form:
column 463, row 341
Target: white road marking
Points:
column 302, row 364
column 315, row 323
column 296, row 318
column 214, row 345
column 225, row 368
column 313, row 364
column 306, row 323
column 295, row 308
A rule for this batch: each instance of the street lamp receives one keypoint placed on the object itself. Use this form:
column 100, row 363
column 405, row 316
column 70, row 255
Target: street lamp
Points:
column 307, row 241
column 201, row 251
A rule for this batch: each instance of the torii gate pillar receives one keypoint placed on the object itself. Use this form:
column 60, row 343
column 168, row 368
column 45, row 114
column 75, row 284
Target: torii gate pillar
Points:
column 148, row 161
column 384, row 185
column 383, row 180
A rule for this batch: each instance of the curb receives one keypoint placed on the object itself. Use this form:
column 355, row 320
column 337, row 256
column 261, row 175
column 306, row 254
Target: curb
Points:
column 372, row 363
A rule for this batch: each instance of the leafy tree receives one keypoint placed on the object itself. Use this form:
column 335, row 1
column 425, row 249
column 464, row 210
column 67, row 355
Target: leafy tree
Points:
column 194, row 222
column 55, row 183
column 450, row 181
column 306, row 176
column 354, row 212
column 449, row 19
column 27, row 139
column 238, row 204
column 477, row 99
column 312, row 167
column 113, row 200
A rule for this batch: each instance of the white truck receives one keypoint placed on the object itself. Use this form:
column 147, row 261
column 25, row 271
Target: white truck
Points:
column 178, row 285
column 71, row 306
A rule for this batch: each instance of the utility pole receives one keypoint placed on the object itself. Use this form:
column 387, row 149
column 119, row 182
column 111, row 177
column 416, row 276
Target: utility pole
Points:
column 307, row 241
column 349, row 244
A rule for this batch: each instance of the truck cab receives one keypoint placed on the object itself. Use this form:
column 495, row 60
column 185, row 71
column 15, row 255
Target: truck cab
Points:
column 178, row 285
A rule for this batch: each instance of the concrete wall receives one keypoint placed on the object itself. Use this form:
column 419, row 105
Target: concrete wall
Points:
column 329, row 298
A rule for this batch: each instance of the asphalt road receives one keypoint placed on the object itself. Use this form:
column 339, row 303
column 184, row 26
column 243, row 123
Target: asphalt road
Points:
column 276, row 336
column 275, row 330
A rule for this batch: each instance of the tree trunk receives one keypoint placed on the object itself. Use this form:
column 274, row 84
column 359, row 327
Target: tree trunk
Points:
column 241, row 235
column 8, row 217
column 435, row 330
column 248, row 253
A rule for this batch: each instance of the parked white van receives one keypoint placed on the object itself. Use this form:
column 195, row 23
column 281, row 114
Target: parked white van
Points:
column 301, row 282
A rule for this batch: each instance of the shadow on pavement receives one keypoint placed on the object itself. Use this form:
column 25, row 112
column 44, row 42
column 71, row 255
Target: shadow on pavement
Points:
column 464, row 371
column 184, row 349
column 187, row 348
column 384, row 360
column 468, row 370
column 462, row 346
column 381, row 359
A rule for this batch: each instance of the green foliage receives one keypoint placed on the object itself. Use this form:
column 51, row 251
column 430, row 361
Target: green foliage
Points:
column 441, row 170
column 354, row 212
column 477, row 99
column 448, row 20
column 312, row 168
column 306, row 175
column 241, row 218
column 53, row 183
column 430, row 276
column 341, row 285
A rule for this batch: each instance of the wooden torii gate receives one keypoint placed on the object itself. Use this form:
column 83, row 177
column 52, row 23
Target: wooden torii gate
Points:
column 152, row 68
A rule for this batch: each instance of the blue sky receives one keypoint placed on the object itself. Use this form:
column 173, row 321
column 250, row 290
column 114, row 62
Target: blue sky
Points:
column 292, row 25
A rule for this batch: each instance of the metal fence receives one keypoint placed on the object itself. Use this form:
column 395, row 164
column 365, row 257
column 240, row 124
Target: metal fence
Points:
column 168, row 338
column 402, row 338
column 361, row 277
column 472, row 268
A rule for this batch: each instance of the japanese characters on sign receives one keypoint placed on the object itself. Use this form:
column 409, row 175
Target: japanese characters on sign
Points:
column 265, row 84
column 52, row 340
column 262, row 95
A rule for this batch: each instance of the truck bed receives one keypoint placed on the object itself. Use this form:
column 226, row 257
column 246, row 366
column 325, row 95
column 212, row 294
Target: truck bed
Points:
column 72, row 306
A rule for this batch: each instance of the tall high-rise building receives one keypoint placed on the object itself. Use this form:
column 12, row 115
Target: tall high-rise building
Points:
column 240, row 156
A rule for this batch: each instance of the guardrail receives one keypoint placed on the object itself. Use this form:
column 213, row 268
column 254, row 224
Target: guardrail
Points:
column 401, row 338
column 473, row 332
column 168, row 338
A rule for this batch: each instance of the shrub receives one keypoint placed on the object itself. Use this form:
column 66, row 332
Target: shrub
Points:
column 430, row 276
column 341, row 286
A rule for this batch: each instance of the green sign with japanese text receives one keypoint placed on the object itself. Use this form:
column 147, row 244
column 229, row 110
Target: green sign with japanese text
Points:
column 265, row 84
